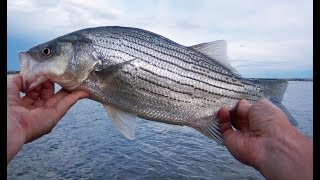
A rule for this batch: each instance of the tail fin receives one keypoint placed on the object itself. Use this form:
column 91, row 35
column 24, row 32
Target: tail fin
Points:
column 274, row 89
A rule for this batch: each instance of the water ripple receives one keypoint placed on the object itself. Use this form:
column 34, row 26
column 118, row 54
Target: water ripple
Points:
column 85, row 145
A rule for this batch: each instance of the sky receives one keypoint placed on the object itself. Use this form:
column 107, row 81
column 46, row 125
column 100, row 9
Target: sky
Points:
column 266, row 39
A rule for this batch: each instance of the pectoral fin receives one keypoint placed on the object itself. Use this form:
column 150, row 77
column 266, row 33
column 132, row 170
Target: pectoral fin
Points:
column 125, row 122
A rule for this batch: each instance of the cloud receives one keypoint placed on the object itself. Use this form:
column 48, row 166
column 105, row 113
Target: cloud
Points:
column 43, row 18
column 263, row 31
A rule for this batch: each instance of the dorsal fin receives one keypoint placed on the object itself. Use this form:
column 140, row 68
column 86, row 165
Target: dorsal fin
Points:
column 216, row 50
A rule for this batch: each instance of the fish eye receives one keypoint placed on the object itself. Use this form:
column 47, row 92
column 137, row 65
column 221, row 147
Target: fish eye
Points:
column 46, row 51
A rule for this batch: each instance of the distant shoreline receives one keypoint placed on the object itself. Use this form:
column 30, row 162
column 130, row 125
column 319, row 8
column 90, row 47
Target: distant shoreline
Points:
column 13, row 72
column 286, row 79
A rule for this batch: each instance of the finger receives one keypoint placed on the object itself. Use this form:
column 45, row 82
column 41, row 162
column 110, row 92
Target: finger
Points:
column 48, row 84
column 265, row 103
column 225, row 124
column 47, row 90
column 57, row 97
column 65, row 104
column 14, row 85
column 40, row 94
column 231, row 137
column 35, row 93
column 39, row 103
column 233, row 118
column 239, row 116
column 24, row 104
column 243, row 108
column 27, row 100
column 265, row 111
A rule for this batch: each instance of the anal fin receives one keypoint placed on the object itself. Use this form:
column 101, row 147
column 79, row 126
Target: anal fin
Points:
column 212, row 131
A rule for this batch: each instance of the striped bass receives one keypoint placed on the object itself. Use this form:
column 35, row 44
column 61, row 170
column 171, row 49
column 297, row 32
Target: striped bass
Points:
column 137, row 73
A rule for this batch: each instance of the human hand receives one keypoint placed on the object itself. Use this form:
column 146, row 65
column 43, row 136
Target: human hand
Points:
column 266, row 140
column 35, row 114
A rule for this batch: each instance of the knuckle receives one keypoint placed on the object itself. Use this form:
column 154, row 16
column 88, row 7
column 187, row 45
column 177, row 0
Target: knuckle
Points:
column 243, row 103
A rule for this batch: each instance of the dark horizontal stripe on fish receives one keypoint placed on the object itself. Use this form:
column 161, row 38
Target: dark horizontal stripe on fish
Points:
column 163, row 86
column 209, row 84
column 153, row 92
column 150, row 36
column 178, row 82
column 173, row 47
column 197, row 88
column 176, row 57
column 181, row 59
column 183, row 68
column 180, row 75
column 176, row 91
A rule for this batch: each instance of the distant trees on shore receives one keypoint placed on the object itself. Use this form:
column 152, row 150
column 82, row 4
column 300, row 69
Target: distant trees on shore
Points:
column 13, row 72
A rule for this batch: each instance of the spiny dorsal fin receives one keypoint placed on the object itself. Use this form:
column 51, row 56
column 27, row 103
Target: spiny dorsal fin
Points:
column 124, row 121
column 216, row 50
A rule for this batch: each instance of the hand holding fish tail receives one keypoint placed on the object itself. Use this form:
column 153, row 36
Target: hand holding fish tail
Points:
column 35, row 114
column 262, row 137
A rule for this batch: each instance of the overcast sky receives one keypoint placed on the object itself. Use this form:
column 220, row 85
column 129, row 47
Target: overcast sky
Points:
column 265, row 38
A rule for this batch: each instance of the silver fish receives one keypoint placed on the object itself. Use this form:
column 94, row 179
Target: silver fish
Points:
column 137, row 73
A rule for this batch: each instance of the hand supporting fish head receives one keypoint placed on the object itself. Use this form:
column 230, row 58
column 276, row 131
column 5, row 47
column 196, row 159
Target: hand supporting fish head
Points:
column 66, row 60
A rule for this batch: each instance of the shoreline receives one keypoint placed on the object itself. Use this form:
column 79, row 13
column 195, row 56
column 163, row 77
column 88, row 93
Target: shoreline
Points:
column 12, row 72
column 286, row 79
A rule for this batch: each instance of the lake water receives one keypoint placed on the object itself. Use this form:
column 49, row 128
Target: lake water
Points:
column 85, row 145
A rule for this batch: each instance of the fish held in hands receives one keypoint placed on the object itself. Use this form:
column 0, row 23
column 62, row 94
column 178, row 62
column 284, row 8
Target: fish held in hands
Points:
column 137, row 73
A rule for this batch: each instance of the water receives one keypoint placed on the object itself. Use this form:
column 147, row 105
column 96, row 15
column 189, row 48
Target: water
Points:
column 85, row 145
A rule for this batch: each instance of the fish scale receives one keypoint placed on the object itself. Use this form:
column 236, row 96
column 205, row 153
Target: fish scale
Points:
column 137, row 73
column 145, row 82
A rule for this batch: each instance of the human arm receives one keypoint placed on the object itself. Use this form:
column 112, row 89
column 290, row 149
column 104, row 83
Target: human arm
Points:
column 35, row 114
column 267, row 141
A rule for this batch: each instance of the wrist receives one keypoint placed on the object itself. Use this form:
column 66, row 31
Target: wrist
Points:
column 289, row 156
column 16, row 137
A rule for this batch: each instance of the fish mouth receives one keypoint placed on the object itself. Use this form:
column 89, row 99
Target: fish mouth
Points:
column 31, row 72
